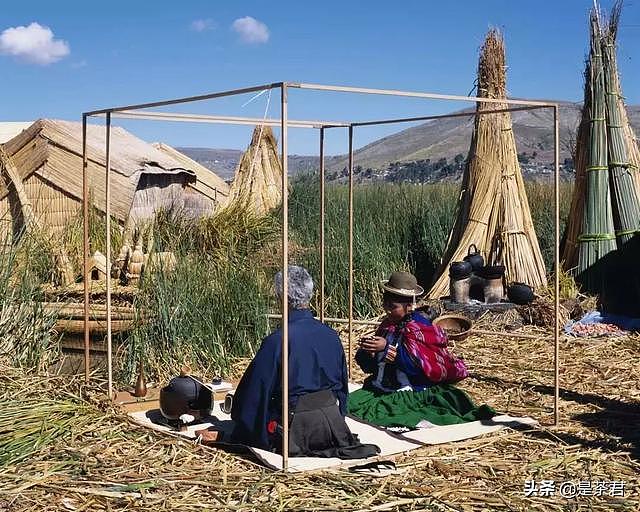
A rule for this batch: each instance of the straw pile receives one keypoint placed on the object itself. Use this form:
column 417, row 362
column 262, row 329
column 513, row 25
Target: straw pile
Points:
column 605, row 213
column 76, row 452
column 541, row 312
column 493, row 211
column 258, row 179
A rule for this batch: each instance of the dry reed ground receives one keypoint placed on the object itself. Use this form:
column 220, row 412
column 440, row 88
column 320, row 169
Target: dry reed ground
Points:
column 109, row 464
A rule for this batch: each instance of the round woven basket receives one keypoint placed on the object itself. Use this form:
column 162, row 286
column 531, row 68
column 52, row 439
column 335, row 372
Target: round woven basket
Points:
column 457, row 327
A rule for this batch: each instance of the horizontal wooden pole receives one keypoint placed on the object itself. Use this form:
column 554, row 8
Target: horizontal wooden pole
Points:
column 333, row 320
column 213, row 119
column 415, row 94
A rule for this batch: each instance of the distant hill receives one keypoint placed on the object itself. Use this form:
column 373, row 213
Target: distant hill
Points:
column 224, row 161
column 431, row 142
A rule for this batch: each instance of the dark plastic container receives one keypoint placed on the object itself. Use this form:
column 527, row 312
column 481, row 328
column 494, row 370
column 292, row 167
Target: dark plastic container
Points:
column 491, row 272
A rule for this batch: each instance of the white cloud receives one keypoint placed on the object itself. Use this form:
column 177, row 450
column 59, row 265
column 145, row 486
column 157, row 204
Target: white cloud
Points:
column 251, row 30
column 34, row 44
column 202, row 25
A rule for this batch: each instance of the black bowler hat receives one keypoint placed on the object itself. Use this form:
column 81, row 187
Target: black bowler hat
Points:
column 404, row 284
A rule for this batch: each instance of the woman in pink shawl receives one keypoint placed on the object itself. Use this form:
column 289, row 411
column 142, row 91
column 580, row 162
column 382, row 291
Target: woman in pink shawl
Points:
column 414, row 354
column 412, row 368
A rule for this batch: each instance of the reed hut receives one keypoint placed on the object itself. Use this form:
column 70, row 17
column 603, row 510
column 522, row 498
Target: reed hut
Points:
column 493, row 211
column 47, row 159
column 258, row 177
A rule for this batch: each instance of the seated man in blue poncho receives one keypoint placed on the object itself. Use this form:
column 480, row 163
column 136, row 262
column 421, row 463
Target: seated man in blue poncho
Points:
column 317, row 386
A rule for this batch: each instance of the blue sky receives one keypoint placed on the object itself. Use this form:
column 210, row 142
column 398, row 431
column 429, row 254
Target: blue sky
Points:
column 101, row 54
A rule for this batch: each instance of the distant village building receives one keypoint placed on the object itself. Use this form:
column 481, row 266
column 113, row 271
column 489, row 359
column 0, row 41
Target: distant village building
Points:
column 42, row 164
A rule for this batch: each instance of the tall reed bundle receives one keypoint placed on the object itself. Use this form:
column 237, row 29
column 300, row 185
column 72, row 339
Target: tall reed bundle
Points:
column 631, row 141
column 624, row 191
column 258, row 177
column 633, row 146
column 580, row 158
column 493, row 211
column 606, row 201
column 597, row 238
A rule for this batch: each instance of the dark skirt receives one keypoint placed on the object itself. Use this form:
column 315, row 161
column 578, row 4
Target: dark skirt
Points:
column 317, row 429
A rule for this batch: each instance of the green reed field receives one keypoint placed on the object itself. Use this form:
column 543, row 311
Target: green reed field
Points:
column 396, row 226
column 211, row 310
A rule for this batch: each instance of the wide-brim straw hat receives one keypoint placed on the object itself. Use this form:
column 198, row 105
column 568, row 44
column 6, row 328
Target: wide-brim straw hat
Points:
column 404, row 284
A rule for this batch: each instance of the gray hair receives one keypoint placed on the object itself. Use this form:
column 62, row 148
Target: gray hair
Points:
column 300, row 286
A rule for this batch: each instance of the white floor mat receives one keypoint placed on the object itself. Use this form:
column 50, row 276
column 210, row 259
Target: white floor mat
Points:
column 462, row 431
column 390, row 444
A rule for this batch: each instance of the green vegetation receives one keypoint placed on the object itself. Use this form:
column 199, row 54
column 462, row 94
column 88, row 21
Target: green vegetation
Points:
column 540, row 196
column 396, row 226
column 211, row 309
column 73, row 243
column 44, row 421
column 26, row 339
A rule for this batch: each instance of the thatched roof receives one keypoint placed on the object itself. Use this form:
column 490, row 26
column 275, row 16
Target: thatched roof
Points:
column 208, row 183
column 258, row 178
column 53, row 149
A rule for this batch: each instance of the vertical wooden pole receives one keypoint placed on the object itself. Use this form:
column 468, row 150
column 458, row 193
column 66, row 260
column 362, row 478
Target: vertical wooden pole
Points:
column 556, row 284
column 85, row 247
column 107, row 188
column 285, row 280
column 350, row 345
column 322, row 219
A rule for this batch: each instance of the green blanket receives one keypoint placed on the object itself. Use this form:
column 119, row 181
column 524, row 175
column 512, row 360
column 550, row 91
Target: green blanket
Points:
column 443, row 404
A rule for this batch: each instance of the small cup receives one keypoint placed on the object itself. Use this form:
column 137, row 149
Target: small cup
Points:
column 227, row 404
